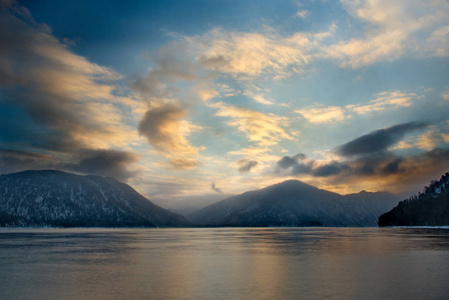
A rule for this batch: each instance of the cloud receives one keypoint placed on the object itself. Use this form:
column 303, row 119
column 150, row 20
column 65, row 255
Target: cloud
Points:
column 370, row 162
column 384, row 101
column 103, row 162
column 445, row 95
column 60, row 93
column 12, row 161
column 379, row 140
column 395, row 173
column 164, row 128
column 161, row 126
column 180, row 163
column 289, row 161
column 265, row 130
column 382, row 171
column 259, row 98
column 392, row 30
column 246, row 165
column 252, row 54
column 365, row 166
column 61, row 110
column 392, row 167
column 294, row 165
column 215, row 189
column 302, row 13
column 173, row 84
column 369, row 155
column 320, row 114
column 386, row 31
column 434, row 137
column 329, row 169
column 172, row 65
column 300, row 165
column 251, row 151
column 206, row 91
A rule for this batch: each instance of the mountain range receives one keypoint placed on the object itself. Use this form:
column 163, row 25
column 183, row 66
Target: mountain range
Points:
column 51, row 198
column 294, row 203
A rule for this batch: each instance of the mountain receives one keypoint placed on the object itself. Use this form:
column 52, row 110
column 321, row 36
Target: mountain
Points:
column 430, row 208
column 294, row 203
column 51, row 198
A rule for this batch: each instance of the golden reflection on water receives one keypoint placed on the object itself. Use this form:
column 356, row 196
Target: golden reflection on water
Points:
column 224, row 263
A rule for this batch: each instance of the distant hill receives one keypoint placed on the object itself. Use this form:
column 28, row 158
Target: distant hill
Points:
column 56, row 199
column 430, row 208
column 293, row 203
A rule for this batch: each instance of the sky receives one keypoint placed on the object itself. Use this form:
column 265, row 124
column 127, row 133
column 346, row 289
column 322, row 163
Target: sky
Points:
column 192, row 101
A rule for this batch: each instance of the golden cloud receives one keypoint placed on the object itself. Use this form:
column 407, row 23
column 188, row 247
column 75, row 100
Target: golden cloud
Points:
column 384, row 101
column 265, row 130
column 320, row 114
column 61, row 91
column 250, row 54
column 165, row 130
column 392, row 30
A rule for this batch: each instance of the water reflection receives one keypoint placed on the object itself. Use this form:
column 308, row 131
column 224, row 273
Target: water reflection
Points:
column 225, row 263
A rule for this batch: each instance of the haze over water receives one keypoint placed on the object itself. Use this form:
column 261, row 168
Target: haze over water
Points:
column 224, row 263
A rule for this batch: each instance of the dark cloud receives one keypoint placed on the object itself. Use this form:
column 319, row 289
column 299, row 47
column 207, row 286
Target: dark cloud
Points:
column 12, row 161
column 363, row 166
column 398, row 172
column 437, row 156
column 368, row 161
column 392, row 167
column 214, row 188
column 287, row 162
column 290, row 161
column 110, row 163
column 330, row 169
column 392, row 172
column 246, row 165
column 294, row 165
column 379, row 140
column 298, row 164
column 303, row 168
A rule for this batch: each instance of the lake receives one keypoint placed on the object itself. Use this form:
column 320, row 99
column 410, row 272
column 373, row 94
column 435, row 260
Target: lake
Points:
column 225, row 263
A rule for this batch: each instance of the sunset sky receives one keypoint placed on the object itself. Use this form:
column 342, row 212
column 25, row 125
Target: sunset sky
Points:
column 191, row 101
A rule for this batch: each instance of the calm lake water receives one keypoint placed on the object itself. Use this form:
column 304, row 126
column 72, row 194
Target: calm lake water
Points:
column 225, row 263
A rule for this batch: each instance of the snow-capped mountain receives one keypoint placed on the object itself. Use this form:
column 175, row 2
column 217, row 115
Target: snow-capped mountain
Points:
column 293, row 203
column 51, row 198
